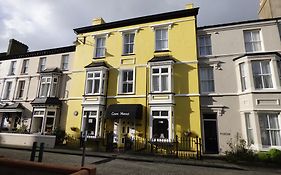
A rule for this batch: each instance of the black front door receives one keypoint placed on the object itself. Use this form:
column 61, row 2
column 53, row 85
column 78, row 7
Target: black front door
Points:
column 210, row 133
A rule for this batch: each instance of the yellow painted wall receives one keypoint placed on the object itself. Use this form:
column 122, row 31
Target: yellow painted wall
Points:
column 182, row 46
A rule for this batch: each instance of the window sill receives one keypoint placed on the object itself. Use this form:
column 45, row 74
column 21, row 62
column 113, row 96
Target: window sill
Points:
column 129, row 54
column 155, row 93
column 97, row 58
column 159, row 51
column 89, row 95
column 11, row 74
column 23, row 73
column 131, row 93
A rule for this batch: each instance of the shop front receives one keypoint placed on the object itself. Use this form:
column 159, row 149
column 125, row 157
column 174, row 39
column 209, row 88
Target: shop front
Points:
column 123, row 119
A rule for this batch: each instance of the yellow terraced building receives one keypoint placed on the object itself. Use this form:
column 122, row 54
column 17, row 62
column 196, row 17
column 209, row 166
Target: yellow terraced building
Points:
column 136, row 78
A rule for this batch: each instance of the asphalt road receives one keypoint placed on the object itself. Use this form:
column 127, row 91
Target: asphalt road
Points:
column 124, row 167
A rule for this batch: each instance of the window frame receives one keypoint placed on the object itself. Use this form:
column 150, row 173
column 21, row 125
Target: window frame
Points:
column 249, row 129
column 49, row 80
column 98, row 118
column 269, row 128
column 12, row 69
column 252, row 41
column 243, row 76
column 64, row 63
column 102, row 47
column 7, row 92
column 20, row 90
column 42, row 64
column 129, row 44
column 160, row 76
column 206, row 47
column 42, row 116
column 122, row 82
column 169, row 117
column 157, row 47
column 203, row 81
column 102, row 82
column 25, row 65
column 262, row 75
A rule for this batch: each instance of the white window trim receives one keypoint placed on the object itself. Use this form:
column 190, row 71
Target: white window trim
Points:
column 170, row 120
column 159, row 74
column 168, row 36
column 262, row 74
column 13, row 67
column 205, row 45
column 63, row 62
column 261, row 39
column 18, row 90
column 134, row 43
column 243, row 77
column 120, row 84
column 40, row 63
column 38, row 116
column 105, row 36
column 102, row 80
column 214, row 90
column 50, row 90
column 25, row 64
column 49, row 116
column 267, row 147
column 6, row 96
column 98, row 117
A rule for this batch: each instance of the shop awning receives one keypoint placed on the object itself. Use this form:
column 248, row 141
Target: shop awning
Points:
column 116, row 111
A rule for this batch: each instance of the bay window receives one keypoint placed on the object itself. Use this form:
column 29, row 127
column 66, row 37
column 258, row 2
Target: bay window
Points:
column 92, row 123
column 262, row 74
column 270, row 129
column 161, row 123
column 95, row 82
column 49, row 87
column 242, row 76
column 249, row 129
column 161, row 79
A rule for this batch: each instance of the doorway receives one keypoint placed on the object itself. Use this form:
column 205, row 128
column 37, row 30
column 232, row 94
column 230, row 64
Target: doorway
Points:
column 124, row 132
column 210, row 133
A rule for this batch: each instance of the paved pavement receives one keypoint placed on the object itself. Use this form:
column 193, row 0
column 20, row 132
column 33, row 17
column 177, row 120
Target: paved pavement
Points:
column 108, row 163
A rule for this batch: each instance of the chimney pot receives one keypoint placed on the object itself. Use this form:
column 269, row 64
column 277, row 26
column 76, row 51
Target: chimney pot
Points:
column 189, row 6
column 98, row 21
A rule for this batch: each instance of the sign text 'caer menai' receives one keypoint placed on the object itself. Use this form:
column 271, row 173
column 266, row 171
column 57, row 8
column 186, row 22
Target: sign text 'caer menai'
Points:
column 120, row 113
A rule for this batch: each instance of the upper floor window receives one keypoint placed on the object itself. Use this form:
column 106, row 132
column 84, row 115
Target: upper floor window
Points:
column 161, row 39
column 64, row 62
column 100, row 47
column 42, row 64
column 262, row 74
column 207, row 79
column 128, row 46
column 49, row 86
column 270, row 129
column 7, row 91
column 20, row 89
column 205, row 46
column 252, row 40
column 25, row 65
column 242, row 76
column 95, row 83
column 161, row 79
column 12, row 68
column 126, row 81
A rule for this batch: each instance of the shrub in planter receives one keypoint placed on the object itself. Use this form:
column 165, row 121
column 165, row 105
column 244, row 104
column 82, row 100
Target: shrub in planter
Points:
column 264, row 157
column 275, row 155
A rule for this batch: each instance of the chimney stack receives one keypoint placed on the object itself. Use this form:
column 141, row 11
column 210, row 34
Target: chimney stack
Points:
column 16, row 47
column 98, row 21
column 189, row 6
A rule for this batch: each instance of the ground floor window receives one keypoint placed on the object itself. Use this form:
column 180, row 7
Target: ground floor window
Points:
column 43, row 121
column 269, row 129
column 92, row 123
column 161, row 122
column 249, row 129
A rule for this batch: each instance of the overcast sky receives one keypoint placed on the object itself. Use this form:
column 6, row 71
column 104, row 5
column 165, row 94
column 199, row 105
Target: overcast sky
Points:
column 43, row 24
